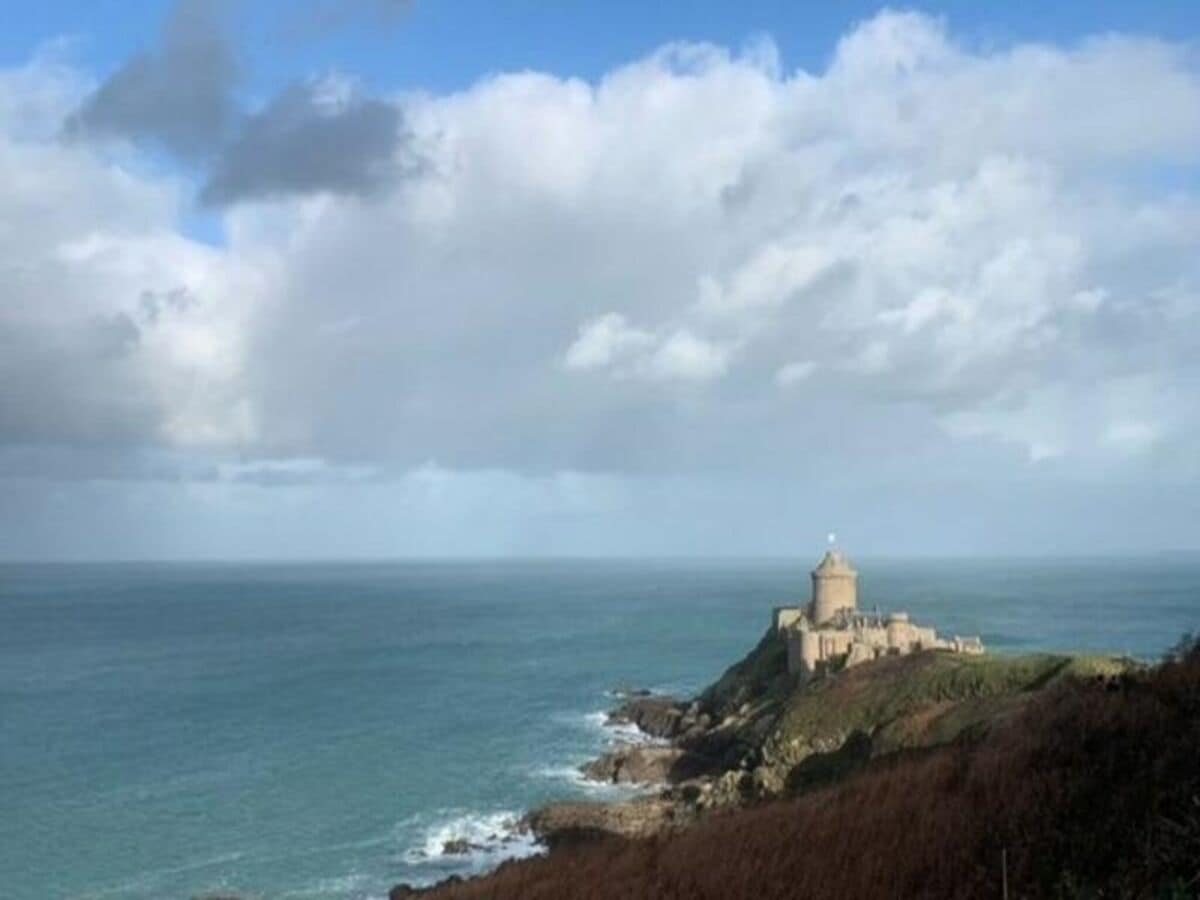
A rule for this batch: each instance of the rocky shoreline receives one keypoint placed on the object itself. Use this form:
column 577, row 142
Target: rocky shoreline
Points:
column 759, row 734
column 691, row 760
column 1042, row 776
column 674, row 763
column 688, row 765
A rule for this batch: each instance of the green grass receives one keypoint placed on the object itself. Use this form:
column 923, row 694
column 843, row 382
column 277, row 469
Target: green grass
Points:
column 916, row 701
column 869, row 696
column 901, row 702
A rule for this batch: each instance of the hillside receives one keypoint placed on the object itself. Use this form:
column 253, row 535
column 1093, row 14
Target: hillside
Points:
column 759, row 733
column 1089, row 787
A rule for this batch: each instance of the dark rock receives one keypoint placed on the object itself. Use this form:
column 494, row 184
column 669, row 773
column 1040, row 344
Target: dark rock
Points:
column 604, row 768
column 625, row 692
column 459, row 846
column 567, row 824
column 824, row 768
column 647, row 765
column 405, row 891
column 658, row 717
column 710, row 742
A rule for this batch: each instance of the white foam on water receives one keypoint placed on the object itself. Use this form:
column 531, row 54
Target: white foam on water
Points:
column 598, row 719
column 569, row 774
column 618, row 733
column 629, row 733
column 491, row 837
column 573, row 777
column 610, row 735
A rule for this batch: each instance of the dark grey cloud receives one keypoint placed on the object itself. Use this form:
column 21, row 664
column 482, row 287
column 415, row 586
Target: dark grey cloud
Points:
column 179, row 94
column 304, row 141
column 72, row 383
column 109, row 461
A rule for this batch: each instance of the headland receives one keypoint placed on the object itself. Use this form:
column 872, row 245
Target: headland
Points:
column 825, row 727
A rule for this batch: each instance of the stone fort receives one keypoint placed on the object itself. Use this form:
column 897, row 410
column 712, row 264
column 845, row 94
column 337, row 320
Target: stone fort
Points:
column 830, row 632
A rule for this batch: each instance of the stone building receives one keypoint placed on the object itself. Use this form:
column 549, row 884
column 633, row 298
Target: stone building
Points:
column 830, row 632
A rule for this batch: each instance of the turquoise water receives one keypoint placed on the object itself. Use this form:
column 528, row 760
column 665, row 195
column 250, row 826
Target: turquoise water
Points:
column 317, row 731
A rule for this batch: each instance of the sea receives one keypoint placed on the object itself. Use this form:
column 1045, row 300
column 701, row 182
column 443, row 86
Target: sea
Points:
column 322, row 730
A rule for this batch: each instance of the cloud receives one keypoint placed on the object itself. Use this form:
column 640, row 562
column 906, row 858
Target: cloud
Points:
column 971, row 258
column 775, row 275
column 179, row 94
column 319, row 136
column 606, row 340
column 1132, row 435
column 794, row 372
column 116, row 332
column 302, row 470
column 609, row 342
column 684, row 355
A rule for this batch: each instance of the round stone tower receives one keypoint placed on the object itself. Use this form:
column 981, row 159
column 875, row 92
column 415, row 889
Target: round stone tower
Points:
column 834, row 587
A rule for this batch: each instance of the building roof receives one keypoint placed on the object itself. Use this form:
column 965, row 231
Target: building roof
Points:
column 834, row 564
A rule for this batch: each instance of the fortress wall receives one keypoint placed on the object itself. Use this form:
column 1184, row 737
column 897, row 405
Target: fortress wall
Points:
column 803, row 651
column 876, row 637
column 898, row 635
column 926, row 637
column 835, row 643
column 786, row 616
column 859, row 653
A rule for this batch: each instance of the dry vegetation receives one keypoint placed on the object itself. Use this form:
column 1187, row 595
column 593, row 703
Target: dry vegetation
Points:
column 1092, row 788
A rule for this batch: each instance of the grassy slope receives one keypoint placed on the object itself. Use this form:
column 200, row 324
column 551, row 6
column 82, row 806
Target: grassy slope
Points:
column 901, row 702
column 869, row 696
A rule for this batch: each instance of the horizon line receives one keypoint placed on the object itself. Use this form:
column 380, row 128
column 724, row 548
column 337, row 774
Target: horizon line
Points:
column 1081, row 556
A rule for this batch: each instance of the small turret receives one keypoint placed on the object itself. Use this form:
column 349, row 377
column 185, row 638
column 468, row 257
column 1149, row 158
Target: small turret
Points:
column 834, row 588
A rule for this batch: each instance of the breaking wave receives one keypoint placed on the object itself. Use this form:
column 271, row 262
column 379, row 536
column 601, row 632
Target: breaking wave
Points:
column 468, row 843
column 622, row 732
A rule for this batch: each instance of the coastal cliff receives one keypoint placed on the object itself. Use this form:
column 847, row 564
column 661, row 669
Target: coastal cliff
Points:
column 904, row 776
column 760, row 733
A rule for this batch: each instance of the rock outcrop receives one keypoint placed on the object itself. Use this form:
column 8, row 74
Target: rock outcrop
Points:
column 648, row 765
column 561, row 824
column 658, row 717
column 408, row 891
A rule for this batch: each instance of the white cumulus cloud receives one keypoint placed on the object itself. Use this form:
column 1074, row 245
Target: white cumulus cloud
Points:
column 981, row 252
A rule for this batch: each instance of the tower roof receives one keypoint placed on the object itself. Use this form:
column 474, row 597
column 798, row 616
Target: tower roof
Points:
column 834, row 564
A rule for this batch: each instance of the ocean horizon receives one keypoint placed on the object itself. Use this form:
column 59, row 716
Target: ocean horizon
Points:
column 322, row 729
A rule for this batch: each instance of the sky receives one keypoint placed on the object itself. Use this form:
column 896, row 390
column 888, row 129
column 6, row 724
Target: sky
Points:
column 404, row 278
